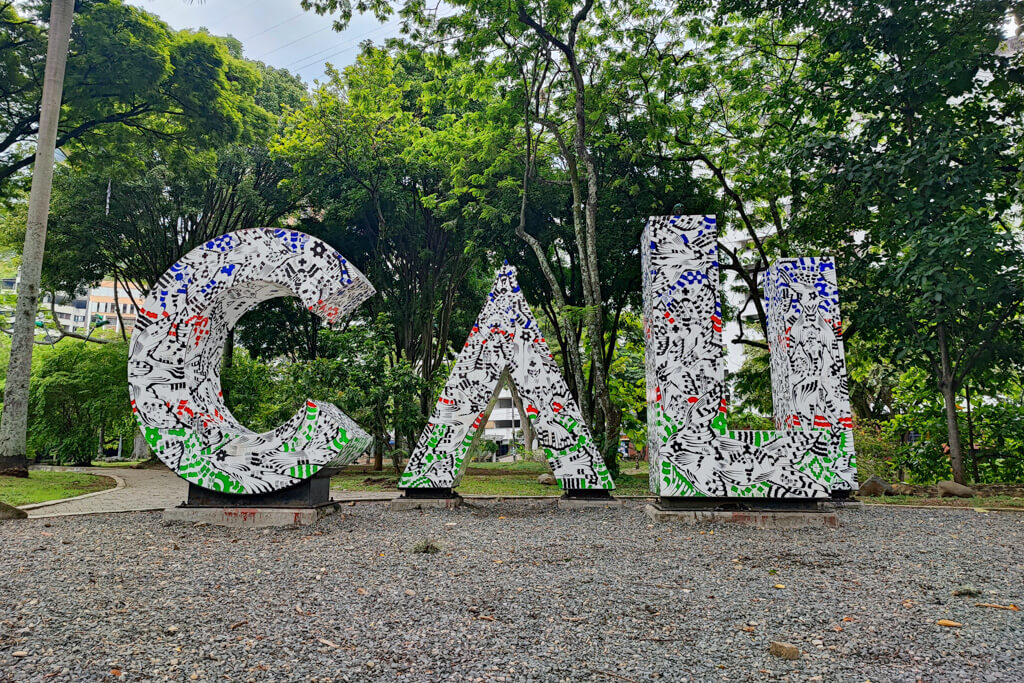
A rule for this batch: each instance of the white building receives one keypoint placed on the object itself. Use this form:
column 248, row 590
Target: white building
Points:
column 503, row 426
column 79, row 314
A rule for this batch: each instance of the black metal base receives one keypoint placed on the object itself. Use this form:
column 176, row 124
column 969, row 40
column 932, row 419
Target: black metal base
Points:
column 433, row 494
column 308, row 493
column 587, row 494
column 842, row 494
column 745, row 504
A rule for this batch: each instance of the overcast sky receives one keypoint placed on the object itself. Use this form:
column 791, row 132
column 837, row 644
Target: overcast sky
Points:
column 277, row 32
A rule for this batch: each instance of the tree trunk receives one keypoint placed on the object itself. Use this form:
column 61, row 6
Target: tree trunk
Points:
column 947, row 386
column 378, row 453
column 140, row 447
column 524, row 422
column 14, row 422
column 956, row 456
column 970, row 435
column 99, row 448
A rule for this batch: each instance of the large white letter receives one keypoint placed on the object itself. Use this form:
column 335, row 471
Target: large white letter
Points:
column 175, row 357
column 692, row 452
column 505, row 336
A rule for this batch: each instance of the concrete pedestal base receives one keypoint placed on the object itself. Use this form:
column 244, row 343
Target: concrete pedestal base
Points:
column 250, row 517
column 588, row 503
column 758, row 519
column 405, row 503
column 848, row 504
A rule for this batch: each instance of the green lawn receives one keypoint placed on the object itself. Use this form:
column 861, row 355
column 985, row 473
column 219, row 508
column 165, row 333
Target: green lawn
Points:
column 124, row 463
column 976, row 502
column 512, row 484
column 41, row 486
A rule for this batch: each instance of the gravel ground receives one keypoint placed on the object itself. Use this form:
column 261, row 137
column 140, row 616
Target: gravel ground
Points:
column 518, row 591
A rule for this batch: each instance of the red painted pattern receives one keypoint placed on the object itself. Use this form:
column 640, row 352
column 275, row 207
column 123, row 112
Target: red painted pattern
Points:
column 183, row 408
column 200, row 325
column 716, row 323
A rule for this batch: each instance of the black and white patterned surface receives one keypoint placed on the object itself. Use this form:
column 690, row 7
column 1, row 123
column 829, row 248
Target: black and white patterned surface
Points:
column 506, row 336
column 692, row 451
column 805, row 337
column 175, row 359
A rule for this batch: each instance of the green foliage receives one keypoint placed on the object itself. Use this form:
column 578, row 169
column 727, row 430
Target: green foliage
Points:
column 998, row 431
column 627, row 379
column 752, row 385
column 374, row 153
column 133, row 208
column 877, row 450
column 78, row 388
column 363, row 378
column 891, row 139
column 166, row 85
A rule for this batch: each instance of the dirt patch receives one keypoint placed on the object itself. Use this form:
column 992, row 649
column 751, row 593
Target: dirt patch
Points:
column 985, row 490
column 383, row 482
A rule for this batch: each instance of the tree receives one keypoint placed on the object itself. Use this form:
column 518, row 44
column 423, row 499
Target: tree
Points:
column 728, row 94
column 166, row 85
column 132, row 211
column 184, row 194
column 14, row 421
column 373, row 153
column 916, row 176
column 79, row 393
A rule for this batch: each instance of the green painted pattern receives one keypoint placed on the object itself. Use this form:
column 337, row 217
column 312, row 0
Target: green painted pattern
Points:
column 303, row 471
column 675, row 482
column 196, row 468
column 199, row 470
column 341, row 440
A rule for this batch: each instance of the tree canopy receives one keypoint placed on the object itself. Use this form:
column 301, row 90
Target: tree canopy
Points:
column 887, row 135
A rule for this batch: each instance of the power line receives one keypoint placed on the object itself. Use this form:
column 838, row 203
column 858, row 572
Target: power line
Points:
column 355, row 39
column 324, row 59
column 308, row 57
column 300, row 38
column 280, row 23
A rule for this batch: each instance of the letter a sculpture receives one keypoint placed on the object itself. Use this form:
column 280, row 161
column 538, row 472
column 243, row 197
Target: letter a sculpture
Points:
column 692, row 451
column 175, row 358
column 505, row 336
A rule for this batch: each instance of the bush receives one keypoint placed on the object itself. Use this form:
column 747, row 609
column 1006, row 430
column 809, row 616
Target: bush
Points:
column 876, row 451
column 999, row 438
column 78, row 388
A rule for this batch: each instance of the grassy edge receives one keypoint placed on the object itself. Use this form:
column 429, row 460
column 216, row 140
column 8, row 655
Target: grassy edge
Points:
column 45, row 486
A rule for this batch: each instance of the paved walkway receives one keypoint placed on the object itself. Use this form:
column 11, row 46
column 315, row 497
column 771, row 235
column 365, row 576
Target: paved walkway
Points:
column 153, row 489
